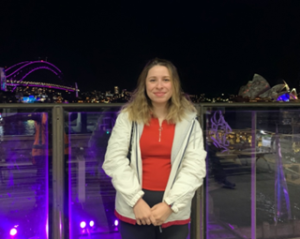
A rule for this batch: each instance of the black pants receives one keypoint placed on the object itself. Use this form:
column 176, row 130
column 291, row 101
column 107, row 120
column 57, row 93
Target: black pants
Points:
column 129, row 231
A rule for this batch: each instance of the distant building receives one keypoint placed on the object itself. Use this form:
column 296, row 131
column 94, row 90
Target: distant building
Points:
column 116, row 90
column 2, row 79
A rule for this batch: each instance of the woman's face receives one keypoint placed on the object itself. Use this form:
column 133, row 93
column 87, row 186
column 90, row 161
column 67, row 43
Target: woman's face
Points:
column 159, row 85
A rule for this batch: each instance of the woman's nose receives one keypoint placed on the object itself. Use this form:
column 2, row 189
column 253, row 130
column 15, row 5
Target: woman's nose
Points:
column 159, row 84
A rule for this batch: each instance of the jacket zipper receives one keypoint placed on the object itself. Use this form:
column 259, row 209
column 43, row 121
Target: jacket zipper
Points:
column 136, row 148
column 159, row 130
column 183, row 153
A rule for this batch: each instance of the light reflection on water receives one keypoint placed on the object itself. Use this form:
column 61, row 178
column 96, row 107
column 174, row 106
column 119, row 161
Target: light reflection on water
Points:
column 1, row 133
column 17, row 128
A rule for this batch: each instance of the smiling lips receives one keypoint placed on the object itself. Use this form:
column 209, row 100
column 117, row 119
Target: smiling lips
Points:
column 159, row 94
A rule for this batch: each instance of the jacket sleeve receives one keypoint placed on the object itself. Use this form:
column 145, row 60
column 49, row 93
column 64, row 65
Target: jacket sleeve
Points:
column 191, row 172
column 116, row 164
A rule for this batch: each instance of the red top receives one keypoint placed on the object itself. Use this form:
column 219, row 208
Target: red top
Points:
column 156, row 146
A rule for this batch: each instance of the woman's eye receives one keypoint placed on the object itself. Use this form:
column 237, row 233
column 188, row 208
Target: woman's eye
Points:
column 167, row 79
column 152, row 80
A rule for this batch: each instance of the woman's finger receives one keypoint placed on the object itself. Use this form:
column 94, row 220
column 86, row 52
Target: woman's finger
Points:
column 153, row 221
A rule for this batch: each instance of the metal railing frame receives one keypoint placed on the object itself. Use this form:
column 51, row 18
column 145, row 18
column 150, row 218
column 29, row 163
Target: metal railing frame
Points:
column 59, row 229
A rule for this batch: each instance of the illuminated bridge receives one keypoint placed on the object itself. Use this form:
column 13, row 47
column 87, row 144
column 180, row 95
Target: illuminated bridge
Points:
column 15, row 76
column 39, row 84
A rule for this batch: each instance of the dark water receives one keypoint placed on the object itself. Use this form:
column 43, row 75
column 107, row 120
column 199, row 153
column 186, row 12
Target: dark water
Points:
column 17, row 128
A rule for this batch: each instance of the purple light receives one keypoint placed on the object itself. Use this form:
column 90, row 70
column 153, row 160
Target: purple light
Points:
column 52, row 87
column 38, row 68
column 42, row 65
column 280, row 184
column 219, row 123
column 92, row 223
column 116, row 223
column 45, row 85
column 33, row 62
column 35, row 69
column 232, row 227
column 13, row 232
column 16, row 65
column 60, row 224
column 83, row 224
column 47, row 230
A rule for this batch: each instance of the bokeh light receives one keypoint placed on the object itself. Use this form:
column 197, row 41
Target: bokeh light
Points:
column 13, row 232
column 83, row 224
column 92, row 223
column 116, row 223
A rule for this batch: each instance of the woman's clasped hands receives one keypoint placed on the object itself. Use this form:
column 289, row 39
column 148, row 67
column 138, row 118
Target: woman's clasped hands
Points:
column 156, row 215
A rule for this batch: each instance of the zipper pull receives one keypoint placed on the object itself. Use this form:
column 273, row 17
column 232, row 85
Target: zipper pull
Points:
column 160, row 229
column 160, row 129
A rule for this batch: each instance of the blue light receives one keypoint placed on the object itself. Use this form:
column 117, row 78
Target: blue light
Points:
column 284, row 97
column 28, row 99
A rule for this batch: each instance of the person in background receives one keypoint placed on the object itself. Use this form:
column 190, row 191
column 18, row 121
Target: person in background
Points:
column 154, row 189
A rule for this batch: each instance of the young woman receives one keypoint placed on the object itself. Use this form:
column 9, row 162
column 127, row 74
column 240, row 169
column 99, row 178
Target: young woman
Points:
column 155, row 188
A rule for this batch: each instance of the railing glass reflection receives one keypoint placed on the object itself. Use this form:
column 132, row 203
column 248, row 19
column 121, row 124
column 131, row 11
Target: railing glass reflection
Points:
column 91, row 194
column 253, row 176
column 24, row 164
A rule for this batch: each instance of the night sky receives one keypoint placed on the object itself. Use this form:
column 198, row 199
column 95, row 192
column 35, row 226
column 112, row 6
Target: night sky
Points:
column 217, row 45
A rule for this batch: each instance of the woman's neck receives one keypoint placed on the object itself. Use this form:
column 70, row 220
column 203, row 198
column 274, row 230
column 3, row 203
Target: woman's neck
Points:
column 160, row 111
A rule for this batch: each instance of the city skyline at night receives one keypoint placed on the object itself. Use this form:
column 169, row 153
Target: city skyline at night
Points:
column 216, row 46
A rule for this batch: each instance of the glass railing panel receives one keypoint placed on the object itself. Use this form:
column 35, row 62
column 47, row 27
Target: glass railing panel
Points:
column 228, row 182
column 91, row 194
column 252, row 185
column 24, row 172
column 278, row 173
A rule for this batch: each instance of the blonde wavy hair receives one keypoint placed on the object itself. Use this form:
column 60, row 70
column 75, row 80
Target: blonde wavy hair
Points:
column 139, row 107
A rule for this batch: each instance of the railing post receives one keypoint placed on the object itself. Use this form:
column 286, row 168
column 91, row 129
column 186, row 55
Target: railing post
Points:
column 253, row 177
column 197, row 222
column 59, row 226
column 196, row 231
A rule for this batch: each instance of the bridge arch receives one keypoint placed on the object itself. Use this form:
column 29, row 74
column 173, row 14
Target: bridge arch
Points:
column 21, row 70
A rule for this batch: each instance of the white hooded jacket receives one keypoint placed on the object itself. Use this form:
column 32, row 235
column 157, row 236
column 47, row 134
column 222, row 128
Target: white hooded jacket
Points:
column 187, row 170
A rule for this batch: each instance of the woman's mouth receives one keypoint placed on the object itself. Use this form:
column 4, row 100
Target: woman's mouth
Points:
column 159, row 93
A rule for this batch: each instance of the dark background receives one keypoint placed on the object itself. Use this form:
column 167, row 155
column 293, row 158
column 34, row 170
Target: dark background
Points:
column 217, row 45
